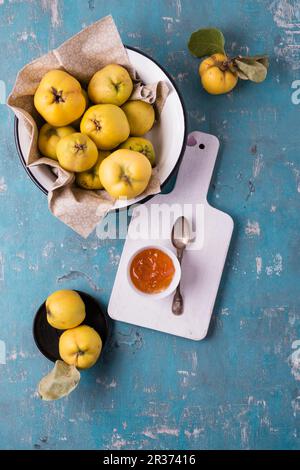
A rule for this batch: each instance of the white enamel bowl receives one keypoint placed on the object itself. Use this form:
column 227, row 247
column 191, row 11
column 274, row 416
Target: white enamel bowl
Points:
column 168, row 136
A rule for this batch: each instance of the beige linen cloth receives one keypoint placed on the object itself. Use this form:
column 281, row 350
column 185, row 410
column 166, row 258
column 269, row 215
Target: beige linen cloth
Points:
column 82, row 55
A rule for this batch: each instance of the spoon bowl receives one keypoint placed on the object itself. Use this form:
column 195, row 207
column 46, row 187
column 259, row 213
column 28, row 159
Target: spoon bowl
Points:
column 181, row 233
column 181, row 237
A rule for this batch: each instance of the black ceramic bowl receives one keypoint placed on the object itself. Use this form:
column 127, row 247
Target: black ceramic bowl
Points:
column 46, row 337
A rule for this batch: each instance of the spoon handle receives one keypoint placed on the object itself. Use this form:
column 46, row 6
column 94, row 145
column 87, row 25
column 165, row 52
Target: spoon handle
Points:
column 177, row 305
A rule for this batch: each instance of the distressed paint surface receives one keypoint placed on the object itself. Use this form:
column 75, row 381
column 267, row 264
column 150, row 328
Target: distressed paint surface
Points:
column 239, row 388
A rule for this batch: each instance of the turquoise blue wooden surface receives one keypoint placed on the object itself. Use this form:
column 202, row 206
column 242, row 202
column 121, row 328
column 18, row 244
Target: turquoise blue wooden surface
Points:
column 236, row 389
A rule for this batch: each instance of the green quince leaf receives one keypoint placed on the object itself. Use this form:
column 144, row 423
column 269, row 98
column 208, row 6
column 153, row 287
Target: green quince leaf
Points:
column 205, row 42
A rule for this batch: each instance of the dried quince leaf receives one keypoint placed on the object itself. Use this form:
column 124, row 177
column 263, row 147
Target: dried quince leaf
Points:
column 262, row 59
column 206, row 41
column 254, row 70
column 233, row 68
column 60, row 382
column 241, row 74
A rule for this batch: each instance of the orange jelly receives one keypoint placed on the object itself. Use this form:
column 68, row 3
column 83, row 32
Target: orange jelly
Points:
column 152, row 271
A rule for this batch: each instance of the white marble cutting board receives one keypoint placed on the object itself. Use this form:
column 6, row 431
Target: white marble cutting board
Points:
column 202, row 266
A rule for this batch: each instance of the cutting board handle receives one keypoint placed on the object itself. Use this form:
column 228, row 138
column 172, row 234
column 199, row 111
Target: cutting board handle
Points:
column 197, row 167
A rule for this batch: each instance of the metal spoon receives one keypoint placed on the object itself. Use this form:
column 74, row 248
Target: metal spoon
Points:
column 181, row 236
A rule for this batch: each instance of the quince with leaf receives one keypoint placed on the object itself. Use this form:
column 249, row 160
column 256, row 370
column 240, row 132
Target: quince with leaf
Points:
column 218, row 72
